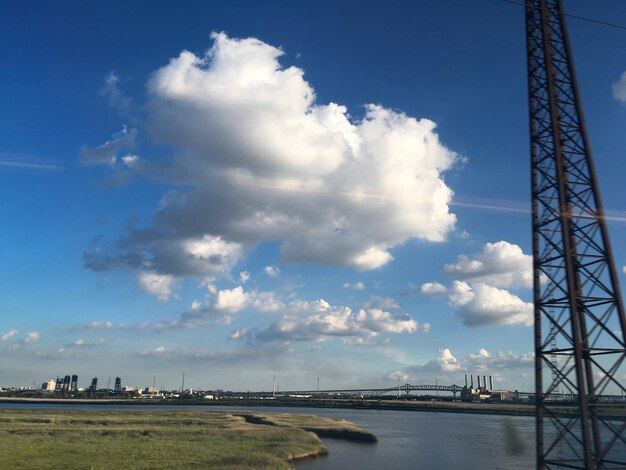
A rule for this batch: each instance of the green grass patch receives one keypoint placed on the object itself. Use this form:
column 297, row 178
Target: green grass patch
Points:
column 139, row 439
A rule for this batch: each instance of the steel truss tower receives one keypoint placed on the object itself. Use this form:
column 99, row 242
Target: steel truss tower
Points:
column 580, row 326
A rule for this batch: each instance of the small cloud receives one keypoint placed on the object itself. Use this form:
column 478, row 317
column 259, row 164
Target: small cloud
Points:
column 243, row 333
column 32, row 337
column 9, row 334
column 111, row 91
column 619, row 88
column 433, row 289
column 131, row 161
column 82, row 343
column 159, row 285
column 107, row 153
column 272, row 271
column 244, row 276
column 93, row 325
column 426, row 327
column 398, row 375
column 231, row 300
column 355, row 286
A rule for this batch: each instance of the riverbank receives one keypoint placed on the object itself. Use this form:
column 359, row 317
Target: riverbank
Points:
column 503, row 408
column 401, row 405
column 164, row 439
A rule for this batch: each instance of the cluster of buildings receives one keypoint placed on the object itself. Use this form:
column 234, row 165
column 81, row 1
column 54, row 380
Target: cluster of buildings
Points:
column 69, row 384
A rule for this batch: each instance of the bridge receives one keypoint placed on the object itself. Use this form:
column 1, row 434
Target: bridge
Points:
column 358, row 392
column 408, row 388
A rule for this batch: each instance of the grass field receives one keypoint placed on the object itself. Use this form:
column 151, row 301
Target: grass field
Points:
column 163, row 439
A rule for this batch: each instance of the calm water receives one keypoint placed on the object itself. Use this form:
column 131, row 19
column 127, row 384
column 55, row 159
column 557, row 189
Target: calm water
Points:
column 407, row 440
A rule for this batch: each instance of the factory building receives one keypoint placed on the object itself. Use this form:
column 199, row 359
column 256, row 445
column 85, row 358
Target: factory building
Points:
column 49, row 385
column 482, row 392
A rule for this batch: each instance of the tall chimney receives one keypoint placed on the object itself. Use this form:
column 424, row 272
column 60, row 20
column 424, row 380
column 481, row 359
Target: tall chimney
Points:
column 490, row 383
column 478, row 378
column 471, row 381
column 485, row 382
column 465, row 380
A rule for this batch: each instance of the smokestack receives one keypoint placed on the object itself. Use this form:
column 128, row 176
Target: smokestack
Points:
column 471, row 381
column 490, row 383
column 478, row 378
column 466, row 380
column 484, row 381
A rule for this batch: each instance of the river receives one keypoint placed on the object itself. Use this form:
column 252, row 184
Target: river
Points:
column 407, row 439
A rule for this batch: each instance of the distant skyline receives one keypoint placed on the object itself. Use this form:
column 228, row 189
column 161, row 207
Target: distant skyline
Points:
column 239, row 190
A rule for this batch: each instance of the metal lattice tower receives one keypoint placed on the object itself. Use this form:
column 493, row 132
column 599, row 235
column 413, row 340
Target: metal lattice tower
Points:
column 580, row 325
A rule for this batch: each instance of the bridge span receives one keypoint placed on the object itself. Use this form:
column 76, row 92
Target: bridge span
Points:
column 406, row 388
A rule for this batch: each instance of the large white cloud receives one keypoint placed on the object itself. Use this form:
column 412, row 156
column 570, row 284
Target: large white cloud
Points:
column 619, row 88
column 477, row 293
column 481, row 304
column 497, row 363
column 314, row 321
column 500, row 264
column 445, row 362
column 258, row 159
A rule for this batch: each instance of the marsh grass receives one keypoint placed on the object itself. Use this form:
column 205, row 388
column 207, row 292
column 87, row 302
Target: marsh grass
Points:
column 141, row 439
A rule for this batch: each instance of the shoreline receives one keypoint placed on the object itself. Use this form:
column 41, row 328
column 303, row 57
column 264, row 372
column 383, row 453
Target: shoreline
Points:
column 437, row 406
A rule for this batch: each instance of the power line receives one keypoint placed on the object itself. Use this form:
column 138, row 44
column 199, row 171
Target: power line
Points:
column 578, row 17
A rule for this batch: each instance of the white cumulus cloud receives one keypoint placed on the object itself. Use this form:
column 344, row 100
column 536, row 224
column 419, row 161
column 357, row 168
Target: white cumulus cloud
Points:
column 497, row 363
column 482, row 304
column 257, row 158
column 159, row 285
column 433, row 289
column 315, row 321
column 231, row 300
column 445, row 362
column 500, row 264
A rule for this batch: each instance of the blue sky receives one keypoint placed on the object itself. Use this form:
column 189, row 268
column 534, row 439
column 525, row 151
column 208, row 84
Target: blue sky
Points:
column 243, row 189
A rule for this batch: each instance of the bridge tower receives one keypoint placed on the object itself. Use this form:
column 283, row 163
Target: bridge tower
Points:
column 580, row 328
